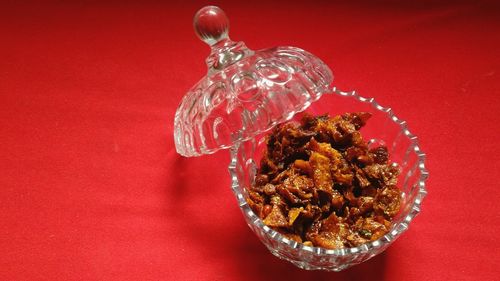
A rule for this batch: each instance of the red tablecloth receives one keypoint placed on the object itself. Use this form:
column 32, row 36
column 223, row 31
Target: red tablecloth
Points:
column 91, row 187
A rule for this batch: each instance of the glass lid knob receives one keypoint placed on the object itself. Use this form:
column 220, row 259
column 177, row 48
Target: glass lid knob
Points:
column 211, row 24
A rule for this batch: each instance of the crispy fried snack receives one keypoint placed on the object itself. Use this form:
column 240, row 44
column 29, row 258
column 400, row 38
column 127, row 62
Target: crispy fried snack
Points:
column 319, row 183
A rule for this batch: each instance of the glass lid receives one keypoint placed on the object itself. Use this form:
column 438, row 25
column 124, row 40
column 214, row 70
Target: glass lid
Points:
column 245, row 92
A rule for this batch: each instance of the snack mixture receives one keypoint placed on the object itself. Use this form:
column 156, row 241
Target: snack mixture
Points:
column 319, row 184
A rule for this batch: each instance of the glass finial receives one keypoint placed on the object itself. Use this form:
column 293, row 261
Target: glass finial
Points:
column 211, row 24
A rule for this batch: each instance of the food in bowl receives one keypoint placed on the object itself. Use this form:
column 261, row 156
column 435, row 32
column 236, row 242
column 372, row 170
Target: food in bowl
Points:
column 320, row 184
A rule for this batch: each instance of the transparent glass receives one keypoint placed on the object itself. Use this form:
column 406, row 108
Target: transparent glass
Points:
column 245, row 92
column 382, row 128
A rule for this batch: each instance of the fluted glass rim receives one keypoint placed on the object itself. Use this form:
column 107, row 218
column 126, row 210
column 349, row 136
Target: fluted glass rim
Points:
column 396, row 230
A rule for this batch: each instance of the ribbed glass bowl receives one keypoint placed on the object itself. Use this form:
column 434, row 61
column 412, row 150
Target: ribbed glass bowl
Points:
column 382, row 128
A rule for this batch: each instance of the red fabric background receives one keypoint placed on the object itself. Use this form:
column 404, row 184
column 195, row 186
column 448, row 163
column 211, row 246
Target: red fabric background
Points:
column 91, row 187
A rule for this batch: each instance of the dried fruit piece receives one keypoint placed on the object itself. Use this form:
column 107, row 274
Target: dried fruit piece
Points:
column 380, row 154
column 382, row 174
column 276, row 218
column 302, row 166
column 370, row 229
column 329, row 240
column 293, row 214
column 320, row 166
column 308, row 243
column 261, row 180
column 388, row 201
column 269, row 189
column 292, row 236
column 332, row 234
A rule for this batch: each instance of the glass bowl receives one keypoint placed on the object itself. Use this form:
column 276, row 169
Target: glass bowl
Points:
column 383, row 128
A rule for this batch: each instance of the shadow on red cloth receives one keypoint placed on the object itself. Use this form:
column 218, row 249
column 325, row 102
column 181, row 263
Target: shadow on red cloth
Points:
column 225, row 239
